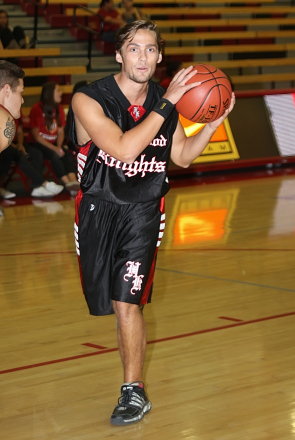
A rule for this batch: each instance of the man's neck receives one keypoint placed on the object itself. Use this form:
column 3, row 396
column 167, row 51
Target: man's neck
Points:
column 2, row 103
column 135, row 92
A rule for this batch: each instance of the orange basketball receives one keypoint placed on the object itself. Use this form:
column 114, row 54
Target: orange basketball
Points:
column 208, row 101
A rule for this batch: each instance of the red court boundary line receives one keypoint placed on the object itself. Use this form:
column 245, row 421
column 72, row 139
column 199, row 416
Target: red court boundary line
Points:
column 230, row 319
column 99, row 347
column 163, row 250
column 169, row 338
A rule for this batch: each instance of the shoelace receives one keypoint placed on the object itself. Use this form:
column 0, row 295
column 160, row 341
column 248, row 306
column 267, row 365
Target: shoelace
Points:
column 130, row 398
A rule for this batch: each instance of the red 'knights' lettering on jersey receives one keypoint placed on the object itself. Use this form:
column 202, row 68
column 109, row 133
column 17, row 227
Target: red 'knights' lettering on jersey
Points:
column 134, row 168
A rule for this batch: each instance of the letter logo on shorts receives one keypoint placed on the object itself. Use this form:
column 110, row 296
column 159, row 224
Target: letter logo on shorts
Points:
column 132, row 271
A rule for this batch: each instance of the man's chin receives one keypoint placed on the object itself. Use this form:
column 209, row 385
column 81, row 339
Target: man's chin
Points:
column 143, row 78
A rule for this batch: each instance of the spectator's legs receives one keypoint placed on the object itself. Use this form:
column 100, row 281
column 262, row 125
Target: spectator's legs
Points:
column 28, row 169
column 8, row 40
column 36, row 157
column 20, row 36
column 69, row 165
column 56, row 163
column 6, row 158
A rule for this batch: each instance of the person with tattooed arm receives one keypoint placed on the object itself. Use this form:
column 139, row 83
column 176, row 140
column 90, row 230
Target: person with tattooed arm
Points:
column 11, row 89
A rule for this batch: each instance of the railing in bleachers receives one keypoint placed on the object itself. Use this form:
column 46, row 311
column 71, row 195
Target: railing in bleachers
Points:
column 88, row 29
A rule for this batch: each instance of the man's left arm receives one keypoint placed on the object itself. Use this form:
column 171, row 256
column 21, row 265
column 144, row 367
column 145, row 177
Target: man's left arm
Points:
column 186, row 149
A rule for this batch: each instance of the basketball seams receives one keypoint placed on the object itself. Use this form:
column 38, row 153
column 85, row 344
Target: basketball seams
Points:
column 207, row 67
column 203, row 82
column 220, row 99
column 208, row 93
column 209, row 96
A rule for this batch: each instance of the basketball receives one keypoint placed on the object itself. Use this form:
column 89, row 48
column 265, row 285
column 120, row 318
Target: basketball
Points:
column 208, row 101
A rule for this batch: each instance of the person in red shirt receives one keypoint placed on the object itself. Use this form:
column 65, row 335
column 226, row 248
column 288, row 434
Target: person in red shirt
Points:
column 30, row 161
column 112, row 20
column 47, row 120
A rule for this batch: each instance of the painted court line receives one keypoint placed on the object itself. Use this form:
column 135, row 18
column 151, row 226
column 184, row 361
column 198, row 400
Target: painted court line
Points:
column 230, row 319
column 225, row 279
column 170, row 338
column 99, row 347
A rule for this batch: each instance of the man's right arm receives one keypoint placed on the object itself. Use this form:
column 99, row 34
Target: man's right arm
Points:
column 92, row 123
column 7, row 129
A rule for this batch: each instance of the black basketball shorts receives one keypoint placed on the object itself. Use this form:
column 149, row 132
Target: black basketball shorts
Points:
column 117, row 246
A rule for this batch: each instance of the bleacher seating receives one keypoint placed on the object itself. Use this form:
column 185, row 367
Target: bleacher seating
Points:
column 36, row 91
column 36, row 53
column 243, row 37
column 195, row 10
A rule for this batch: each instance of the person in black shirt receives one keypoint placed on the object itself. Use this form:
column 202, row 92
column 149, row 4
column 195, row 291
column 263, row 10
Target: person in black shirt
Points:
column 126, row 127
column 11, row 38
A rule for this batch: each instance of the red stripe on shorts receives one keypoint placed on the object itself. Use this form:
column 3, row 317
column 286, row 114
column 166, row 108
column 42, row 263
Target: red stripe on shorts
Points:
column 84, row 151
column 146, row 293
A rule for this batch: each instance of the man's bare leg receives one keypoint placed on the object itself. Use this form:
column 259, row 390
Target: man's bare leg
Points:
column 131, row 339
column 133, row 403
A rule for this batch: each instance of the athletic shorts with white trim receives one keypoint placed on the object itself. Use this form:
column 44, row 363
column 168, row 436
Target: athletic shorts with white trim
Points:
column 117, row 246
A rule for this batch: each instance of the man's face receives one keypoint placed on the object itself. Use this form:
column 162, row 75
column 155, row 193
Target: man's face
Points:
column 140, row 56
column 128, row 4
column 3, row 20
column 109, row 5
column 14, row 100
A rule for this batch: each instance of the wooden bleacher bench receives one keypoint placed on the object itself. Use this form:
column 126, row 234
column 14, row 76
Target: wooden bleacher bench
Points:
column 36, row 91
column 263, row 78
column 242, row 48
column 230, row 64
column 26, row 110
column 201, row 10
column 22, row 53
column 226, row 35
column 162, row 24
column 201, row 36
column 89, row 2
column 58, row 70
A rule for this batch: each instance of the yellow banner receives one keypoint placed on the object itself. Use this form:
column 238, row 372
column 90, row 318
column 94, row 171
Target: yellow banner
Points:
column 222, row 145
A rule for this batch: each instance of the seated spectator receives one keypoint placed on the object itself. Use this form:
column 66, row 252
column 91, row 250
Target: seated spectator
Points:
column 131, row 13
column 30, row 161
column 112, row 20
column 47, row 120
column 172, row 68
column 69, row 143
column 11, row 38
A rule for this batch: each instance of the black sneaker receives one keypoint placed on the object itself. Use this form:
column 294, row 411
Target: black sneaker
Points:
column 132, row 405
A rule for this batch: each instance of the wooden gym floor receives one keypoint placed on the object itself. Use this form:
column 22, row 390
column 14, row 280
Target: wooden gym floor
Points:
column 220, row 359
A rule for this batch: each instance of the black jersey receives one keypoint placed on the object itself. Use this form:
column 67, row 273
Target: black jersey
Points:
column 107, row 178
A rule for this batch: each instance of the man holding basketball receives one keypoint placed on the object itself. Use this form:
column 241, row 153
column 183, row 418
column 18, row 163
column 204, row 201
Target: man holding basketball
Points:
column 126, row 128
